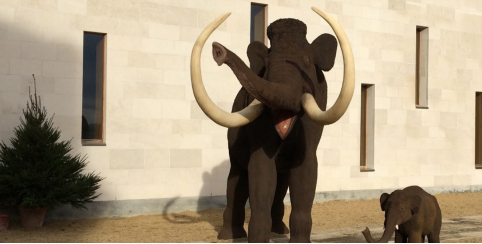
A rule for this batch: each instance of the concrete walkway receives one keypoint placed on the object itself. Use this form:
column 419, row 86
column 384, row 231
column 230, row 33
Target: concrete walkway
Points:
column 452, row 229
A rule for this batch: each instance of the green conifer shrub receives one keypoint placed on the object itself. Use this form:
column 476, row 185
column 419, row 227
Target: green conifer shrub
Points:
column 37, row 170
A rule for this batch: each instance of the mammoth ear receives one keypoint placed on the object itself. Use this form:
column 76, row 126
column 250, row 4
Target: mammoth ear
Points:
column 383, row 201
column 257, row 52
column 415, row 204
column 324, row 47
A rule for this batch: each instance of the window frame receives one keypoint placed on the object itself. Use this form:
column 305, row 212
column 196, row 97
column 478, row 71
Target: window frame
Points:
column 367, row 128
column 478, row 130
column 98, row 142
column 265, row 19
column 421, row 67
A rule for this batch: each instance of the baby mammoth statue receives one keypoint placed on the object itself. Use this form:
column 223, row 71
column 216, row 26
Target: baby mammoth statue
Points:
column 412, row 213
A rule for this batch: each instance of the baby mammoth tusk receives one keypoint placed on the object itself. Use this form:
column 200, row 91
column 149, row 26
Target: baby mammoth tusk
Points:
column 339, row 108
column 216, row 114
column 396, row 227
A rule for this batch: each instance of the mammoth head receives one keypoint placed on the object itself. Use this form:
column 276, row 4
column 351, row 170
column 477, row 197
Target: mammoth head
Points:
column 281, row 77
column 288, row 38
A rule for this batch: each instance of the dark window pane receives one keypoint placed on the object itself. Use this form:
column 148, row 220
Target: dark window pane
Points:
column 478, row 128
column 93, row 87
column 257, row 23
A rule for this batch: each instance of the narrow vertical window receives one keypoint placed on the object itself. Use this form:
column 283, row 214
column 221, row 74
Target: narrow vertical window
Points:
column 421, row 73
column 258, row 22
column 367, row 127
column 478, row 130
column 93, row 91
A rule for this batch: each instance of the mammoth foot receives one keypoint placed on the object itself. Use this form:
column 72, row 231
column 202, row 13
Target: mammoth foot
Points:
column 229, row 233
column 280, row 228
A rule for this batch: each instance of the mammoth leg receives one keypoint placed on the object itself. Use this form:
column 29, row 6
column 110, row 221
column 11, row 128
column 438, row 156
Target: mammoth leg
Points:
column 237, row 194
column 302, row 184
column 399, row 238
column 415, row 237
column 278, row 209
column 262, row 187
column 434, row 237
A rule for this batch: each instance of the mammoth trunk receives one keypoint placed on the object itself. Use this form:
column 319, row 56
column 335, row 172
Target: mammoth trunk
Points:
column 273, row 94
column 387, row 234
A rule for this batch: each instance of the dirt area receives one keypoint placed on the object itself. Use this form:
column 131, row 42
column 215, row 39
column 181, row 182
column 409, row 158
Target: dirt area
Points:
column 203, row 226
column 471, row 240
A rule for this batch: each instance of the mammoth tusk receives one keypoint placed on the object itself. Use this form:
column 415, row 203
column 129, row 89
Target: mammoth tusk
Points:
column 339, row 108
column 396, row 227
column 216, row 114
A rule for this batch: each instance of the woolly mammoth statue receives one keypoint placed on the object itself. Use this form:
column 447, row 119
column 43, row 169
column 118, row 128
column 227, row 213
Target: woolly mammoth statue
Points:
column 412, row 214
column 276, row 123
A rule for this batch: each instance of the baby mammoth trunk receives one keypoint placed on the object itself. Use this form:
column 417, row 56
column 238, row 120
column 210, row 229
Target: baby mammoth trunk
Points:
column 387, row 234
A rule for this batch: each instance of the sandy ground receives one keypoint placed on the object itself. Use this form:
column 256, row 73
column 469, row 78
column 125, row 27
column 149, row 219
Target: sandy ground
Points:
column 203, row 226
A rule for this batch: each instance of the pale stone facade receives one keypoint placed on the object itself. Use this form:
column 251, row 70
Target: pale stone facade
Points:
column 159, row 144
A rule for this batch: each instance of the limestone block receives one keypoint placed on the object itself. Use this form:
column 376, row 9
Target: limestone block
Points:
column 422, row 181
column 444, row 180
column 124, row 43
column 147, row 108
column 10, row 83
column 7, row 14
column 351, row 10
column 180, row 16
column 383, row 4
column 436, row 132
column 186, row 158
column 62, row 69
column 127, row 192
column 392, row 55
column 150, row 45
column 153, row 141
column 430, row 118
column 117, row 58
column 195, row 141
column 176, row 77
column 157, row 158
column 126, row 159
column 396, row 117
column 121, row 9
column 69, row 53
column 414, row 118
column 183, row 189
column 107, row 192
column 172, row 62
column 143, row 60
column 73, row 6
column 65, row 37
column 176, row 109
column 331, row 157
column 363, row 24
column 212, row 158
column 462, row 180
column 95, row 24
column 394, row 15
column 25, row 67
column 186, row 127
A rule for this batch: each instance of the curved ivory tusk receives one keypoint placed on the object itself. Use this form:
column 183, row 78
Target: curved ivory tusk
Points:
column 339, row 108
column 216, row 114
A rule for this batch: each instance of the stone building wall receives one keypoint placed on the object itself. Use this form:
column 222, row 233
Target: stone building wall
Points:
column 160, row 145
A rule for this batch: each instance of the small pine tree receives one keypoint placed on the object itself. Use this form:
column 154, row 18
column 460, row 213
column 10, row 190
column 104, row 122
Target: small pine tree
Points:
column 37, row 170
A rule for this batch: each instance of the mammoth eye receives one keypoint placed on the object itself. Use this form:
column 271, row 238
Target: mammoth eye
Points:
column 306, row 59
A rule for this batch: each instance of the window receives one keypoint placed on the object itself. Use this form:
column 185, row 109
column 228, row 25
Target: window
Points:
column 258, row 22
column 93, row 91
column 367, row 127
column 478, row 130
column 421, row 73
